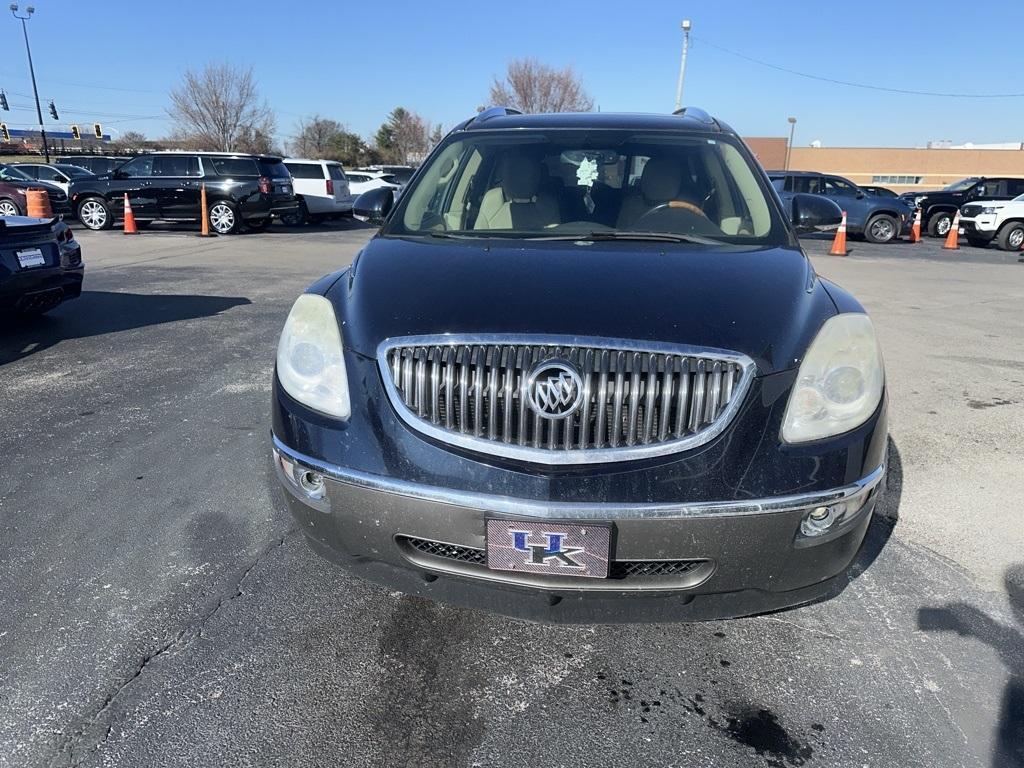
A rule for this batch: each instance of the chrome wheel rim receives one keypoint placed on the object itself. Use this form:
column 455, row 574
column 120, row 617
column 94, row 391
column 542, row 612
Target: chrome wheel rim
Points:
column 8, row 209
column 943, row 225
column 93, row 215
column 882, row 230
column 222, row 218
column 1016, row 238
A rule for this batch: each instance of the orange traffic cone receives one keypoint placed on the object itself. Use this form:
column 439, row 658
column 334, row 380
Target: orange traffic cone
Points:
column 954, row 230
column 129, row 217
column 915, row 231
column 839, row 244
column 204, row 229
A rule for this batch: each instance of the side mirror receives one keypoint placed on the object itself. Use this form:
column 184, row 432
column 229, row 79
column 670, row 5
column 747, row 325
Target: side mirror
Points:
column 860, row 195
column 374, row 205
column 812, row 213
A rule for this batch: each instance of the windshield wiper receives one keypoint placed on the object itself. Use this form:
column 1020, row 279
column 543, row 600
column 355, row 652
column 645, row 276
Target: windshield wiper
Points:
column 664, row 237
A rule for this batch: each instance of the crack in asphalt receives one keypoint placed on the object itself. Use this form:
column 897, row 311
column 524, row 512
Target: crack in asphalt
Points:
column 65, row 757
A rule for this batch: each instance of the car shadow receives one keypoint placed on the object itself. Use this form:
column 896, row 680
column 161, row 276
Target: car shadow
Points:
column 1008, row 641
column 99, row 312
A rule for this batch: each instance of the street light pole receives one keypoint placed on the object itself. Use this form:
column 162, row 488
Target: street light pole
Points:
column 32, row 70
column 789, row 146
column 686, row 25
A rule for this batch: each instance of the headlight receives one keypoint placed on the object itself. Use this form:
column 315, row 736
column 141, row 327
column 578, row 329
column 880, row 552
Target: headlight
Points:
column 310, row 361
column 840, row 381
column 989, row 210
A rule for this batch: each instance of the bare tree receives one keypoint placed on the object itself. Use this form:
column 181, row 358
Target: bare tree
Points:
column 317, row 137
column 220, row 106
column 530, row 86
column 131, row 141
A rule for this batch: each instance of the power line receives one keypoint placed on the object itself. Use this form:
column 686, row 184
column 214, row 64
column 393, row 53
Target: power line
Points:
column 850, row 84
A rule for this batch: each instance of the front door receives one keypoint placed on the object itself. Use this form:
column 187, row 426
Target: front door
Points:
column 134, row 178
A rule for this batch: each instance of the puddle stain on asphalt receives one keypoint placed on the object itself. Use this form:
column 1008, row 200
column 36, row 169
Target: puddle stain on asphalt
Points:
column 760, row 730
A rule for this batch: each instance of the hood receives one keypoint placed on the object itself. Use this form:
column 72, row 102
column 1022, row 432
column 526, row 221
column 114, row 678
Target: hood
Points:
column 991, row 203
column 763, row 302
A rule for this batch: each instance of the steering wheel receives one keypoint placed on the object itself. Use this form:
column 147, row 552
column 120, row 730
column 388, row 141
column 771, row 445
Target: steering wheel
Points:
column 677, row 205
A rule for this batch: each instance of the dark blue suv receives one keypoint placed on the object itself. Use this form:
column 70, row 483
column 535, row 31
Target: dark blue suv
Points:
column 877, row 219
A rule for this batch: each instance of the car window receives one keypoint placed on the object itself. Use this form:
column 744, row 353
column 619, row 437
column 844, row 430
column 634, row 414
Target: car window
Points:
column 176, row 165
column 233, row 166
column 9, row 173
column 992, row 188
column 74, row 171
column 779, row 184
column 305, row 170
column 337, row 172
column 138, row 168
column 834, row 186
column 48, row 174
column 357, row 177
column 276, row 169
column 30, row 170
column 1014, row 187
column 811, row 185
column 545, row 183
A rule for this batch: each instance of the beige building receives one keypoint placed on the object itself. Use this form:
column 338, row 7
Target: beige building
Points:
column 902, row 170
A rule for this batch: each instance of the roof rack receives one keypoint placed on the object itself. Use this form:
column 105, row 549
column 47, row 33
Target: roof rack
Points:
column 490, row 112
column 697, row 114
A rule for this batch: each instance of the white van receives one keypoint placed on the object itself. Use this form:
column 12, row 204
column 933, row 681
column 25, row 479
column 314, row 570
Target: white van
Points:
column 322, row 189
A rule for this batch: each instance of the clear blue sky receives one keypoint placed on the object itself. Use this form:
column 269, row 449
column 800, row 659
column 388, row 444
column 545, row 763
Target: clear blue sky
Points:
column 355, row 61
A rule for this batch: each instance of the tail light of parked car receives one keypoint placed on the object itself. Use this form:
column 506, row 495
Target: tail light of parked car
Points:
column 330, row 187
column 264, row 185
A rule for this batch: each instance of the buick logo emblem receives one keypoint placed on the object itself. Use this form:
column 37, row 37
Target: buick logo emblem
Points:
column 555, row 389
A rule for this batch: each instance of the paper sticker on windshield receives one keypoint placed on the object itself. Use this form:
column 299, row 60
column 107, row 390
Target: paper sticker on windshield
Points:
column 586, row 174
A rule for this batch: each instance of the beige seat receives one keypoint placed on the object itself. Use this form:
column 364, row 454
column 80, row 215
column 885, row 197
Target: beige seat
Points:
column 519, row 202
column 660, row 182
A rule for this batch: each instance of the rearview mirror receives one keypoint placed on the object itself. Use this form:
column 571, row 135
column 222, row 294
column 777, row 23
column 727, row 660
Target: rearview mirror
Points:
column 811, row 213
column 374, row 205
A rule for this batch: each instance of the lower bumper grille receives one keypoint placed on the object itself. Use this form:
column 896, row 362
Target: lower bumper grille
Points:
column 618, row 569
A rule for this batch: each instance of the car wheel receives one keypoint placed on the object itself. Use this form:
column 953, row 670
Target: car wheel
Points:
column 9, row 208
column 939, row 224
column 224, row 217
column 94, row 214
column 1011, row 236
column 297, row 219
column 977, row 242
column 881, row 229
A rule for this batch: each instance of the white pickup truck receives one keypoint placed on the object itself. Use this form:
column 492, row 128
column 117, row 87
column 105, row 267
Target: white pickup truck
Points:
column 981, row 221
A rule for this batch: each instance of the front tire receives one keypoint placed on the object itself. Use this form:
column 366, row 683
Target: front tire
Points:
column 94, row 213
column 1011, row 236
column 224, row 219
column 882, row 228
column 939, row 224
column 9, row 208
column 297, row 219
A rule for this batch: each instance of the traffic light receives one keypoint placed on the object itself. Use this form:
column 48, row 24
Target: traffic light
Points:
column 4, row 132
column 97, row 130
column 53, row 111
column 3, row 102
column 75, row 133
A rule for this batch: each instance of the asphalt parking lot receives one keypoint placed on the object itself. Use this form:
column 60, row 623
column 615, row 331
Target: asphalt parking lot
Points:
column 160, row 609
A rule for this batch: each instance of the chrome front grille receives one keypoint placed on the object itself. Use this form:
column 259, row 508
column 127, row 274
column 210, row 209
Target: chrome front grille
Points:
column 637, row 398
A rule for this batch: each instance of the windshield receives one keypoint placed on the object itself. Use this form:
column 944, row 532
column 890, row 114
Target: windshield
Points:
column 7, row 173
column 552, row 183
column 960, row 186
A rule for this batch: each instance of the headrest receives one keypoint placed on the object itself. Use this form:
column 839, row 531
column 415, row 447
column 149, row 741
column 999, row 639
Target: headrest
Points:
column 520, row 177
column 660, row 179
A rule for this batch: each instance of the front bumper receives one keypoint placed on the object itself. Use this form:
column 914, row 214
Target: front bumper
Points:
column 749, row 556
column 980, row 228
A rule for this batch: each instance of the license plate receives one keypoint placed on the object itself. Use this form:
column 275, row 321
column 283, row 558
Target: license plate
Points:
column 286, row 189
column 33, row 257
column 963, row 231
column 556, row 549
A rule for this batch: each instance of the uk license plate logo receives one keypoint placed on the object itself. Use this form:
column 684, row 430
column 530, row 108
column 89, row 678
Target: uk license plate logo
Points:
column 556, row 549
column 33, row 257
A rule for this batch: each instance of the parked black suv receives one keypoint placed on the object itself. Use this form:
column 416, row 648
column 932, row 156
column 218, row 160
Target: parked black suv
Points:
column 877, row 219
column 938, row 208
column 240, row 189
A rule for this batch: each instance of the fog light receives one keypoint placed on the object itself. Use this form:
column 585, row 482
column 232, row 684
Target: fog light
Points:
column 821, row 520
column 312, row 484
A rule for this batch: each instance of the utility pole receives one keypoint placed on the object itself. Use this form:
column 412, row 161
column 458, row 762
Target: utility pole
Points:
column 39, row 110
column 686, row 25
column 789, row 146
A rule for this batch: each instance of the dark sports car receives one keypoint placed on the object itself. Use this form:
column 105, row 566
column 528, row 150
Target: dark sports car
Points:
column 585, row 372
column 40, row 265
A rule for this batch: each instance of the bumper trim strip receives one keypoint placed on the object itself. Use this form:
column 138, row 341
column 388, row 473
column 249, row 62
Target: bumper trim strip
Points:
column 507, row 505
